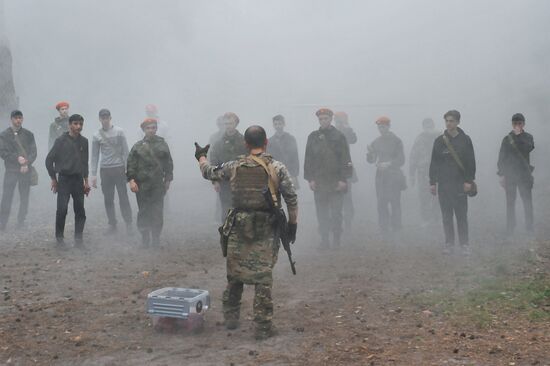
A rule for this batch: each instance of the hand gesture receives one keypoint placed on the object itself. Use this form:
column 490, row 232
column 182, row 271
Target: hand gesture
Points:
column 201, row 151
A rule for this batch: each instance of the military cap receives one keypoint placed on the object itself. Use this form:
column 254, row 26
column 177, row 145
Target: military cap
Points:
column 383, row 120
column 151, row 108
column 148, row 121
column 61, row 104
column 324, row 111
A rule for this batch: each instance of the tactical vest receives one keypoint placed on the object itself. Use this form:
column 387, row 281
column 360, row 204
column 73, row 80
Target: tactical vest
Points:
column 248, row 185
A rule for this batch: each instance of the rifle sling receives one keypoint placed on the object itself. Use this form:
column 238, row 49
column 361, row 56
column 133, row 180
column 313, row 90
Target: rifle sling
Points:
column 521, row 156
column 454, row 154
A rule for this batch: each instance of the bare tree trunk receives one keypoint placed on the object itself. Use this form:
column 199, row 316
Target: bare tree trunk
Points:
column 8, row 98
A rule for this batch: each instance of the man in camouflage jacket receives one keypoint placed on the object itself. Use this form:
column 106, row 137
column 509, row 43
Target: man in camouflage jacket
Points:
column 149, row 172
column 251, row 247
column 227, row 148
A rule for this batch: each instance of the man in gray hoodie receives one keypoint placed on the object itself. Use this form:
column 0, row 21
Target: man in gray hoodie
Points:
column 110, row 152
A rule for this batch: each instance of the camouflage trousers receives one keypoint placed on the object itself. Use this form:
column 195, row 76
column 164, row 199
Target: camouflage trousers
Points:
column 262, row 307
column 150, row 210
column 251, row 256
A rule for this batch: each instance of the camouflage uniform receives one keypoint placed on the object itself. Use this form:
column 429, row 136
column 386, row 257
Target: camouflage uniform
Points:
column 57, row 128
column 251, row 250
column 419, row 166
column 150, row 165
column 228, row 148
column 327, row 161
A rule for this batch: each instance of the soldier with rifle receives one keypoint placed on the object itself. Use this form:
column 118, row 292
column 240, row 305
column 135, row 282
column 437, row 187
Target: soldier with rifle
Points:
column 253, row 226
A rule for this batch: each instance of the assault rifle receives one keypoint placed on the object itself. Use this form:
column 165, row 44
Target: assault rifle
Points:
column 281, row 227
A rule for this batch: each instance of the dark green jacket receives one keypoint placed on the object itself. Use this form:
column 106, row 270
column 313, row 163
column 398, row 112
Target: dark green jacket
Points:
column 57, row 128
column 150, row 163
column 228, row 148
column 327, row 158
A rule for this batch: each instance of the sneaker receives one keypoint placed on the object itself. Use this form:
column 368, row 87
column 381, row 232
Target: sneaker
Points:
column 448, row 249
column 60, row 244
column 466, row 251
column 263, row 334
column 129, row 229
column 145, row 239
column 111, row 230
column 79, row 243
column 231, row 324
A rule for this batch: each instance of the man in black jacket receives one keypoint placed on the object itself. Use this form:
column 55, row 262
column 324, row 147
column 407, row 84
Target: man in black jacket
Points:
column 283, row 147
column 452, row 174
column 516, row 172
column 67, row 164
column 18, row 149
column 327, row 167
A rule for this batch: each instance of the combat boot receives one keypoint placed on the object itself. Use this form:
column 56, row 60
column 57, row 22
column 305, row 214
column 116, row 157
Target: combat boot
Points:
column 337, row 241
column 155, row 240
column 324, row 243
column 231, row 324
column 261, row 334
column 145, row 239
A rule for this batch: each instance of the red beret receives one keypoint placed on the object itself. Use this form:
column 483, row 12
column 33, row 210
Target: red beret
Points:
column 383, row 120
column 341, row 116
column 232, row 115
column 148, row 121
column 62, row 104
column 151, row 108
column 324, row 111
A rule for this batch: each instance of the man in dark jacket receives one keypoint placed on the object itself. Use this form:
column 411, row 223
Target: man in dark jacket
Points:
column 516, row 172
column 283, row 147
column 327, row 167
column 67, row 164
column 452, row 174
column 18, row 149
column 341, row 122
column 419, row 164
column 228, row 148
column 387, row 152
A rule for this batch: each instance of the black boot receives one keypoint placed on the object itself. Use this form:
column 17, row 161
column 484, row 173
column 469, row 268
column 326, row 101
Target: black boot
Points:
column 145, row 238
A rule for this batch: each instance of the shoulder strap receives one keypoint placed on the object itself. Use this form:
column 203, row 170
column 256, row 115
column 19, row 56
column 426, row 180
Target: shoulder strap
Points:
column 152, row 153
column 521, row 156
column 454, row 154
column 16, row 138
column 271, row 179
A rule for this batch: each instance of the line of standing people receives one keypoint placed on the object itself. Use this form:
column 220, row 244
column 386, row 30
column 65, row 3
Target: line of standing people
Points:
column 147, row 168
column 442, row 164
